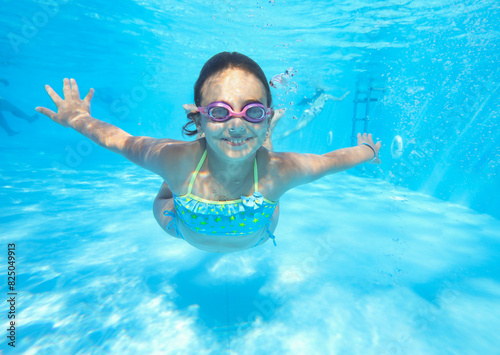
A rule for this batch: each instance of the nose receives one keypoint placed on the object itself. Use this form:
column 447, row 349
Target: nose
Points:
column 236, row 132
column 237, row 128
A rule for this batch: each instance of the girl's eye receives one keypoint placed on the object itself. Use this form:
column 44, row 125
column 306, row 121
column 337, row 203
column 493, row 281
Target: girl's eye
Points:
column 255, row 112
column 218, row 112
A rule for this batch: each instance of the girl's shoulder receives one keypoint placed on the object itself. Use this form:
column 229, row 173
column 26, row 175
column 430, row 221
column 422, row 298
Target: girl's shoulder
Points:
column 179, row 161
column 286, row 170
column 183, row 152
column 272, row 172
column 273, row 161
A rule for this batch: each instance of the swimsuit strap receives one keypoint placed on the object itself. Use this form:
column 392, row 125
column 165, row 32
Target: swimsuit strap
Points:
column 193, row 177
column 255, row 175
column 196, row 171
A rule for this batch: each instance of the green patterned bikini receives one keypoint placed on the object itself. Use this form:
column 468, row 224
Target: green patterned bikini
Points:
column 233, row 218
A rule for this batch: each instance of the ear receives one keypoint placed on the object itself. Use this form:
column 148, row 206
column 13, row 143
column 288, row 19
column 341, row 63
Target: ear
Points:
column 198, row 126
column 193, row 114
column 196, row 117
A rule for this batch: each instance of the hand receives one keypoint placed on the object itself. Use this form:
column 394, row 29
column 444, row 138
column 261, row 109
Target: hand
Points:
column 276, row 118
column 367, row 138
column 191, row 108
column 278, row 114
column 71, row 107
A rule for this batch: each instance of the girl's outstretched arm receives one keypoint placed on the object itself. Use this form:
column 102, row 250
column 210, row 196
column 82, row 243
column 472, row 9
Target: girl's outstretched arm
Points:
column 365, row 152
column 301, row 169
column 149, row 153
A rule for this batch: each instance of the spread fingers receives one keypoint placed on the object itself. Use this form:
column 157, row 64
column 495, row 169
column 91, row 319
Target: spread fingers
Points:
column 53, row 95
column 67, row 89
column 89, row 96
column 74, row 89
column 46, row 112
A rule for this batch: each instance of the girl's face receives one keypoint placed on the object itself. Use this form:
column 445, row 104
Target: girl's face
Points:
column 237, row 88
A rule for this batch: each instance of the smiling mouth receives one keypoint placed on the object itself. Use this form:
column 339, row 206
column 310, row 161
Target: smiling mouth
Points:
column 236, row 142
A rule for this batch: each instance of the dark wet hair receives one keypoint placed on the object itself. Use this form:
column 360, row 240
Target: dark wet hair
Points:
column 217, row 64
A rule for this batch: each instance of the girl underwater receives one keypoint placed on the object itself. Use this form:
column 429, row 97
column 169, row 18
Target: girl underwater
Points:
column 221, row 191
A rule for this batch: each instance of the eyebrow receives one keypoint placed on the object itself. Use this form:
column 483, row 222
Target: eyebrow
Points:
column 247, row 102
column 251, row 101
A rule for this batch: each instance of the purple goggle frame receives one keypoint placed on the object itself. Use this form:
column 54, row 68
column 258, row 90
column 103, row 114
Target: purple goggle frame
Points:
column 208, row 111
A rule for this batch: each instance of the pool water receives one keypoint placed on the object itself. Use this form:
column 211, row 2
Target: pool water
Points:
column 399, row 258
column 369, row 268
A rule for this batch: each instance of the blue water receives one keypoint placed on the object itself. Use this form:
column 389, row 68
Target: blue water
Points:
column 400, row 258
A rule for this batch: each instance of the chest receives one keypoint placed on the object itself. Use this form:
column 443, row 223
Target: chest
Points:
column 221, row 187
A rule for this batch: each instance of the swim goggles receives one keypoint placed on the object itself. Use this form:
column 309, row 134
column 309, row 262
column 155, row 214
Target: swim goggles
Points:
column 219, row 111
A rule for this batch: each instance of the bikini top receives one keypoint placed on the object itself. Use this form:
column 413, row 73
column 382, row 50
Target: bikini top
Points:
column 233, row 218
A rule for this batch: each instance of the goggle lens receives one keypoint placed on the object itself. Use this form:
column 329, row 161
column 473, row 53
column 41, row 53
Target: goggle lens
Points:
column 220, row 111
column 256, row 112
